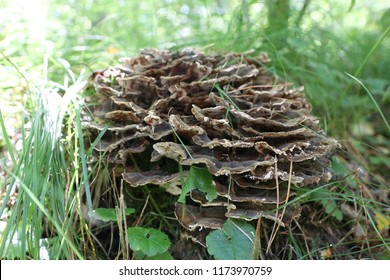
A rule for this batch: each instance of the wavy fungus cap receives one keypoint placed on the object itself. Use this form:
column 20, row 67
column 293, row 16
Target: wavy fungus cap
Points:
column 225, row 113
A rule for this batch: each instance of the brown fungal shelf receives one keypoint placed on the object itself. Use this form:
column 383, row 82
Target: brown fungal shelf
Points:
column 221, row 112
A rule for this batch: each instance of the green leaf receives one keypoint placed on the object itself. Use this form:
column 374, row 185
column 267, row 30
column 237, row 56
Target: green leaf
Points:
column 201, row 179
column 108, row 214
column 235, row 241
column 332, row 209
column 379, row 160
column 328, row 202
column 149, row 241
column 165, row 256
column 338, row 214
column 339, row 167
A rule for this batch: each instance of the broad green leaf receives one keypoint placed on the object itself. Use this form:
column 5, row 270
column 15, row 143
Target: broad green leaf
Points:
column 201, row 179
column 149, row 241
column 235, row 241
column 108, row 214
column 165, row 256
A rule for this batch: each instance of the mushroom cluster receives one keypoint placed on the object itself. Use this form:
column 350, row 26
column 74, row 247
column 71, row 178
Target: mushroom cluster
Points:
column 226, row 114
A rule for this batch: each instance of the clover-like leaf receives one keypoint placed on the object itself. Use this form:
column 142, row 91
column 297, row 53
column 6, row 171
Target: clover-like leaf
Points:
column 328, row 202
column 108, row 214
column 201, row 179
column 235, row 241
column 149, row 241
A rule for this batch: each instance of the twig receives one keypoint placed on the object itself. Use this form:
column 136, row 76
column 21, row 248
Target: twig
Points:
column 285, row 205
column 142, row 211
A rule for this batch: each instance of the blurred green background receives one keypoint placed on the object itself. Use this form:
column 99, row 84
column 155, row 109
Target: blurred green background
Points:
column 311, row 43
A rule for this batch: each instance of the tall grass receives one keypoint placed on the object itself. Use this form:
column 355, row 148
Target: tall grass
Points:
column 45, row 201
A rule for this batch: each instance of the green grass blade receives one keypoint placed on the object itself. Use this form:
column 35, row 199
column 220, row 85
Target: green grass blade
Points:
column 6, row 139
column 225, row 95
column 50, row 218
column 374, row 101
column 369, row 54
column 83, row 159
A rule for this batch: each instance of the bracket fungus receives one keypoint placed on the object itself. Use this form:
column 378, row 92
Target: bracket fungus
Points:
column 225, row 113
